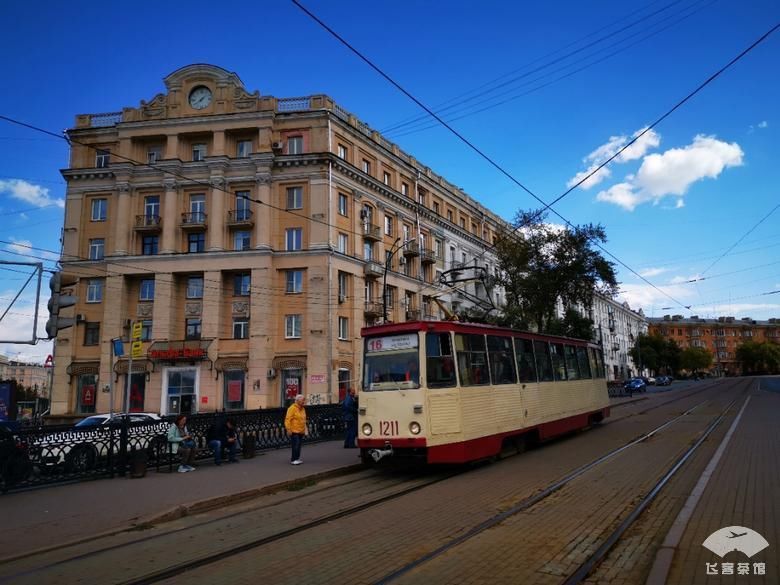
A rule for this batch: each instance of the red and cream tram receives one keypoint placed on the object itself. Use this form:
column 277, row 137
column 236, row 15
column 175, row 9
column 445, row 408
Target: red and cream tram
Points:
column 453, row 392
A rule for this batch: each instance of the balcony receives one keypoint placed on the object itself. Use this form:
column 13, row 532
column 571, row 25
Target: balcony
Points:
column 414, row 315
column 615, row 347
column 457, row 266
column 373, row 310
column 411, row 249
column 148, row 223
column 371, row 232
column 428, row 256
column 240, row 218
column 193, row 220
column 373, row 269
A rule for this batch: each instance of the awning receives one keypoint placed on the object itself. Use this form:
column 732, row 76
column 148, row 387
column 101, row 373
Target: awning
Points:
column 139, row 366
column 83, row 369
column 289, row 362
column 232, row 363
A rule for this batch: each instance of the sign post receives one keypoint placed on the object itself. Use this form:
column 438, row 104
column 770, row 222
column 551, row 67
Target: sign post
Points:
column 136, row 347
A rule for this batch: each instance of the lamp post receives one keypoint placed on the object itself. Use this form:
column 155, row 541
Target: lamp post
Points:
column 388, row 258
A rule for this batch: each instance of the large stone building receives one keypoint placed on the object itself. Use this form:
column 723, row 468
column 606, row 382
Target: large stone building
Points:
column 721, row 336
column 617, row 327
column 26, row 375
column 248, row 235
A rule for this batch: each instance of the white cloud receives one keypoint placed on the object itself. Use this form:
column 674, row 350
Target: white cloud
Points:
column 740, row 310
column 649, row 298
column 681, row 279
column 18, row 326
column 649, row 140
column 763, row 124
column 29, row 192
column 650, row 272
column 673, row 172
column 24, row 248
column 680, row 204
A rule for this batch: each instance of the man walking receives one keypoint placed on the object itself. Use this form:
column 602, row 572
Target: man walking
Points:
column 295, row 423
column 350, row 410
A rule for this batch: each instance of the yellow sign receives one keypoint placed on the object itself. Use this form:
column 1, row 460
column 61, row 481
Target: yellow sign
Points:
column 138, row 328
column 136, row 349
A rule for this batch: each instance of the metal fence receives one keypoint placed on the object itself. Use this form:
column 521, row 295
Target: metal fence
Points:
column 44, row 455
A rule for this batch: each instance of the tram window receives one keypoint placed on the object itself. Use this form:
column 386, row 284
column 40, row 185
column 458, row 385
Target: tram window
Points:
column 440, row 370
column 572, row 368
column 502, row 360
column 543, row 363
column 596, row 363
column 472, row 360
column 582, row 358
column 558, row 362
column 526, row 365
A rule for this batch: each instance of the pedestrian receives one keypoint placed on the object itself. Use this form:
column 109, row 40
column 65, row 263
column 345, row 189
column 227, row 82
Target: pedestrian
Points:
column 181, row 442
column 350, row 410
column 222, row 435
column 295, row 423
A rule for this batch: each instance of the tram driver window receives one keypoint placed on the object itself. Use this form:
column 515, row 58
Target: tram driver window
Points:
column 440, row 361
column 526, row 365
column 472, row 360
column 502, row 361
column 543, row 363
column 572, row 369
column 559, row 363
column 582, row 358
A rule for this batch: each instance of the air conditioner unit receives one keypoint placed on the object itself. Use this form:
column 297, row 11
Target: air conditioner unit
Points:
column 81, row 318
column 271, row 373
column 277, row 145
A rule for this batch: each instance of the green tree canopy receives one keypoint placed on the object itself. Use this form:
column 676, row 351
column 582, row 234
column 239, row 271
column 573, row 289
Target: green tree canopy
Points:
column 759, row 357
column 695, row 358
column 541, row 264
column 656, row 353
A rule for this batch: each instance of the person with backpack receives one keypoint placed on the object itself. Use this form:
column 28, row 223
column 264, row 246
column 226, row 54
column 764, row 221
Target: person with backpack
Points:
column 222, row 435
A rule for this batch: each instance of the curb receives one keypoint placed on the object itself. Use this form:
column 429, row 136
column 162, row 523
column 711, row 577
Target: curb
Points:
column 196, row 507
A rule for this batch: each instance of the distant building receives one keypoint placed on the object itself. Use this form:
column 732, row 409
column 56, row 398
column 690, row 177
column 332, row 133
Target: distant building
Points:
column 27, row 375
column 721, row 336
column 616, row 327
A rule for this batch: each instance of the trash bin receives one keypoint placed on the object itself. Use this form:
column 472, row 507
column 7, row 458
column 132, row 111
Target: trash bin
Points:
column 248, row 446
column 138, row 459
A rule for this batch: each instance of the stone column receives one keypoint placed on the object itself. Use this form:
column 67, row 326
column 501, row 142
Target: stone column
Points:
column 218, row 144
column 122, row 225
column 170, row 217
column 262, row 213
column 211, row 312
column 165, row 310
column 263, row 327
column 172, row 146
column 113, row 322
column 216, row 214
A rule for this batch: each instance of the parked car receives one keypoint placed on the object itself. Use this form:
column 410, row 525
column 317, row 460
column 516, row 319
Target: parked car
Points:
column 78, row 449
column 635, row 385
column 663, row 381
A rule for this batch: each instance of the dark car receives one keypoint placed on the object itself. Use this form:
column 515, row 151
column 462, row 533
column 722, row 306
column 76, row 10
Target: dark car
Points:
column 635, row 385
column 663, row 381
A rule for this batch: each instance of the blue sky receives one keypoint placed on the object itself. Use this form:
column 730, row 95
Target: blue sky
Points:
column 671, row 207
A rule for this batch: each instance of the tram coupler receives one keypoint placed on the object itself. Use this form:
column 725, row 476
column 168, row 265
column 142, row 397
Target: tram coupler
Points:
column 378, row 454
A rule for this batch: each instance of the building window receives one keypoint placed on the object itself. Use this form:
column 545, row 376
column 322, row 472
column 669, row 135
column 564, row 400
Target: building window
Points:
column 96, row 248
column 86, row 393
column 436, row 207
column 153, row 154
column 368, row 251
column 92, row 334
column 240, row 327
column 149, row 245
column 343, row 152
column 152, row 206
column 234, row 389
column 94, row 290
column 295, row 145
column 192, row 329
column 292, row 326
column 196, row 242
column 386, row 178
column 449, row 215
column 294, row 197
column 242, row 283
column 243, row 212
column 293, row 238
column 198, row 152
column 242, row 240
column 180, row 389
column 195, row 287
column 367, row 166
column 294, row 280
column 421, row 198
column 146, row 290
column 343, row 286
column 462, row 223
column 102, row 158
column 343, row 328
column 439, row 248
column 388, row 225
column 198, row 208
column 146, row 330
column 343, row 205
column 343, row 243
column 243, row 148
column 99, row 208
column 404, row 189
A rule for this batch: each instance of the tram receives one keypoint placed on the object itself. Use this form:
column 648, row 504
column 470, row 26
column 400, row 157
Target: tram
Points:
column 450, row 392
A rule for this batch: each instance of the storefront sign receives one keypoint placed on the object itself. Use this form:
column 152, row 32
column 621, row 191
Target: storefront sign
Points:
column 291, row 386
column 181, row 353
column 234, row 391
column 88, row 395
column 204, row 399
column 317, row 379
column 392, row 343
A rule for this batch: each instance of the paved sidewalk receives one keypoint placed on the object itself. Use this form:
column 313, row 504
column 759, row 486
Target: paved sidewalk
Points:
column 49, row 516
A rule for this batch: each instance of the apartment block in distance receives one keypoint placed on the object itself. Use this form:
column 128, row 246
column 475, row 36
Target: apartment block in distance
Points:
column 248, row 235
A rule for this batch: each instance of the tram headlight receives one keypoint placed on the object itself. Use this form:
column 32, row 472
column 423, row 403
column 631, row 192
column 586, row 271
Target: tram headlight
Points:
column 367, row 430
column 414, row 428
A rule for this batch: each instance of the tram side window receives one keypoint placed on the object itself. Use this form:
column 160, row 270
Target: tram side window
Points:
column 472, row 360
column 559, row 363
column 596, row 363
column 572, row 369
column 582, row 358
column 502, row 360
column 440, row 361
column 543, row 363
column 526, row 365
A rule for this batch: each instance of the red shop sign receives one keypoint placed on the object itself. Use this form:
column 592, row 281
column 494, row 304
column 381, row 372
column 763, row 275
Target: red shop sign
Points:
column 177, row 354
column 88, row 395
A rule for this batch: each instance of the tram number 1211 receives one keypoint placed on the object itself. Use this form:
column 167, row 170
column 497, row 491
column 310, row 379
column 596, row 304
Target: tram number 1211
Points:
column 388, row 427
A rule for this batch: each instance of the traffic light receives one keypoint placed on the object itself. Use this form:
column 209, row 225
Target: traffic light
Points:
column 59, row 301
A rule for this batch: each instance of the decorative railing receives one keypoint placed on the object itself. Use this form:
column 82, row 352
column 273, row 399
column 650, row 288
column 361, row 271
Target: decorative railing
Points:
column 374, row 308
column 240, row 216
column 193, row 218
column 293, row 104
column 147, row 221
column 372, row 231
column 104, row 120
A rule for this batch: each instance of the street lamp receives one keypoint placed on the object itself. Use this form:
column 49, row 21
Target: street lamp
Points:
column 388, row 258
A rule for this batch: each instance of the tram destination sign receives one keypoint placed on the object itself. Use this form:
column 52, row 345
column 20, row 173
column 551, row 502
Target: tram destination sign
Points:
column 392, row 343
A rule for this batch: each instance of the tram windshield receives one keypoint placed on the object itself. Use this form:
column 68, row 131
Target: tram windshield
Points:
column 392, row 362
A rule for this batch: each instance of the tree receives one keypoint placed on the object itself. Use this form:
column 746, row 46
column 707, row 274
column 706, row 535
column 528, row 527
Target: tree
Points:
column 573, row 324
column 695, row 358
column 541, row 264
column 759, row 357
column 656, row 353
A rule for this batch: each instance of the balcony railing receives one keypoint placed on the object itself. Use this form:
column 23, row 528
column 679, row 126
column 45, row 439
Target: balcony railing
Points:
column 411, row 249
column 428, row 256
column 374, row 309
column 413, row 314
column 193, row 220
column 373, row 269
column 371, row 232
column 148, row 223
column 240, row 218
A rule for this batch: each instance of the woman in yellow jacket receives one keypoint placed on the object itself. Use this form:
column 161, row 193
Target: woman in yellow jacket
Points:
column 295, row 423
